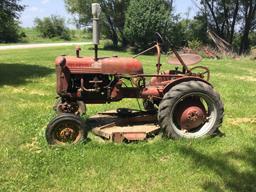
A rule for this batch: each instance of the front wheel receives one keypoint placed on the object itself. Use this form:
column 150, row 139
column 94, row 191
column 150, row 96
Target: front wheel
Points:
column 65, row 129
column 190, row 110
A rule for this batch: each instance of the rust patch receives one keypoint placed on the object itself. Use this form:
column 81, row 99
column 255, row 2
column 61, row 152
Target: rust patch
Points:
column 136, row 127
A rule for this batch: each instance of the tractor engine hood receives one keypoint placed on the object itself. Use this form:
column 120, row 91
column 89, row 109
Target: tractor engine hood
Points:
column 111, row 65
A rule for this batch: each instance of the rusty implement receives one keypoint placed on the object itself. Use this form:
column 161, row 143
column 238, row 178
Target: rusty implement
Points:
column 182, row 98
column 115, row 126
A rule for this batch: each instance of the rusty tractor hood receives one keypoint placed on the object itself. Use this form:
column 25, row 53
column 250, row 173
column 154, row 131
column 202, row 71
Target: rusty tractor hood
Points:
column 110, row 65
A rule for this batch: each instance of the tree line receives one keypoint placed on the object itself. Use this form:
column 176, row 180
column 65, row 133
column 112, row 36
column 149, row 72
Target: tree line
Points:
column 134, row 22
column 9, row 25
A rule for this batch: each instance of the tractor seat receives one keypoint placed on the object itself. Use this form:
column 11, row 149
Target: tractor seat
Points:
column 189, row 59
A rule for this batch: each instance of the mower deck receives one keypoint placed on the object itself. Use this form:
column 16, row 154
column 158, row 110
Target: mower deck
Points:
column 133, row 126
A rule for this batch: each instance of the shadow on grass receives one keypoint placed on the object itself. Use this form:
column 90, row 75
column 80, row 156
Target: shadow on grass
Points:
column 233, row 179
column 17, row 74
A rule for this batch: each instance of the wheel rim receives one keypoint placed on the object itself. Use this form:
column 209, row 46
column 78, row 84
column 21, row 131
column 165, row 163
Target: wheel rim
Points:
column 66, row 132
column 193, row 115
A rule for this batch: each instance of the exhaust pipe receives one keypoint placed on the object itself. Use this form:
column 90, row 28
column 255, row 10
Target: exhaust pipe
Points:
column 96, row 10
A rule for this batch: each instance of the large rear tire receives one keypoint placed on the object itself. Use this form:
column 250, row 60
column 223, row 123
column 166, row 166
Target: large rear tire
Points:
column 190, row 110
column 65, row 129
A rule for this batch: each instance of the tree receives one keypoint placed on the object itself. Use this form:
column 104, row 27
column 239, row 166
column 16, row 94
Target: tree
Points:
column 51, row 27
column 144, row 18
column 226, row 16
column 192, row 30
column 9, row 15
column 113, row 16
column 249, row 16
column 114, row 13
column 197, row 29
column 222, row 15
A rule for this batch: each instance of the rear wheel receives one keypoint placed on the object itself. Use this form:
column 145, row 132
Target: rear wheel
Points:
column 65, row 129
column 190, row 110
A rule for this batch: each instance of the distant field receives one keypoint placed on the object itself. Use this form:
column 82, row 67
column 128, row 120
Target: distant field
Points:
column 32, row 36
column 27, row 92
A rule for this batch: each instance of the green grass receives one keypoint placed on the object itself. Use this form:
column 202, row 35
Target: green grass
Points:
column 27, row 163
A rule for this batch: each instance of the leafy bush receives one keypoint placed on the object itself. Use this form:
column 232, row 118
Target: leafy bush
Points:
column 144, row 18
column 194, row 44
column 197, row 29
column 52, row 27
column 253, row 53
column 11, row 32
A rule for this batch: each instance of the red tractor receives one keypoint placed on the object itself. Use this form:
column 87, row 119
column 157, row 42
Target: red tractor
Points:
column 185, row 102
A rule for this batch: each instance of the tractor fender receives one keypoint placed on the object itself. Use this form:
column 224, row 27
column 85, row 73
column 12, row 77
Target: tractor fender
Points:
column 181, row 80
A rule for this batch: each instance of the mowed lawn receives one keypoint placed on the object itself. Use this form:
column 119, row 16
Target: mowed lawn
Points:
column 27, row 163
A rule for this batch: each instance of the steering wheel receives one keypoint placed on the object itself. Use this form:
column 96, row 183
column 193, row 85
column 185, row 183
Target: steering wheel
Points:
column 205, row 73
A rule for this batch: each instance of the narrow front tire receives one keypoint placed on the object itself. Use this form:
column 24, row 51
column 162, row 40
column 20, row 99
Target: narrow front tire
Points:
column 65, row 129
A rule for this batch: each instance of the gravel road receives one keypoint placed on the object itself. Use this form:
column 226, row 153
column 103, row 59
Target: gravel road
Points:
column 41, row 45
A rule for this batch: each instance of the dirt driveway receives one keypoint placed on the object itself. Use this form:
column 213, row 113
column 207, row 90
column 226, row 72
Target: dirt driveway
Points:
column 41, row 45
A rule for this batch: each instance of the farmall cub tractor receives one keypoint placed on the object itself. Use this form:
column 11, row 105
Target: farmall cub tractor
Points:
column 182, row 101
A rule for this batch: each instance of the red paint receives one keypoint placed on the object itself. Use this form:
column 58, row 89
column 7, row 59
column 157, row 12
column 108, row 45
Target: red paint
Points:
column 152, row 92
column 112, row 65
column 191, row 115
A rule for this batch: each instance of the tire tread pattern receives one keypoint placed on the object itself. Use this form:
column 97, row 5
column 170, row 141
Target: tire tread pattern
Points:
column 175, row 93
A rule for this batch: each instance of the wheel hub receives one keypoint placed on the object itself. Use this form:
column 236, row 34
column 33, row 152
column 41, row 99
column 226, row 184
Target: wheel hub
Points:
column 191, row 115
column 67, row 134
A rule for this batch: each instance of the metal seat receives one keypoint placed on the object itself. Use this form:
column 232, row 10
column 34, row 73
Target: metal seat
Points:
column 189, row 59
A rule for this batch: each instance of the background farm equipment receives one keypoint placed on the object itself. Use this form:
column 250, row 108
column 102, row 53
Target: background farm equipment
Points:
column 180, row 102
